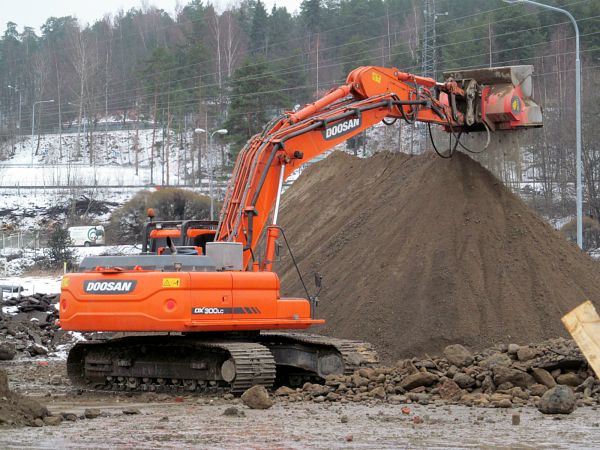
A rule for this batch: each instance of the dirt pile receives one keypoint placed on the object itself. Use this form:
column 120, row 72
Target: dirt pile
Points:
column 16, row 410
column 501, row 377
column 419, row 252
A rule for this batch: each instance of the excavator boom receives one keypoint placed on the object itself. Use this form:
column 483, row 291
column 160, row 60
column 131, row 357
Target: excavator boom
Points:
column 476, row 101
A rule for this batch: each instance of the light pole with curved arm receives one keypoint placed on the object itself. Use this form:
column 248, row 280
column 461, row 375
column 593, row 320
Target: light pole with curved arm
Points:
column 578, row 169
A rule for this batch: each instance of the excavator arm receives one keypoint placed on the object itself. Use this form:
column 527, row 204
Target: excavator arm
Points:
column 481, row 100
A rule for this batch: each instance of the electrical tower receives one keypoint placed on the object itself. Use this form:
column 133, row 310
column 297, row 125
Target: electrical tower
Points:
column 428, row 56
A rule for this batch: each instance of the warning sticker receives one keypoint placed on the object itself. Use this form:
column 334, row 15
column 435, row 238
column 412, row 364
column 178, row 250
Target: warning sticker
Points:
column 171, row 282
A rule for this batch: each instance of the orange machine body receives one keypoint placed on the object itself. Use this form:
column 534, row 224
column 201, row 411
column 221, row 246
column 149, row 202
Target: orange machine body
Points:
column 139, row 300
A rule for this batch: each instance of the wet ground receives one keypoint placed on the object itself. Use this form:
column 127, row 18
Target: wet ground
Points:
column 198, row 422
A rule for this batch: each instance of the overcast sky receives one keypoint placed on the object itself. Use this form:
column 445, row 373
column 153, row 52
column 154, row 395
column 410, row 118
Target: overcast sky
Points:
column 35, row 12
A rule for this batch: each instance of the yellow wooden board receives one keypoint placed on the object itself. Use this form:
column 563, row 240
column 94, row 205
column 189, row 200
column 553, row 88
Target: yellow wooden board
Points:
column 583, row 323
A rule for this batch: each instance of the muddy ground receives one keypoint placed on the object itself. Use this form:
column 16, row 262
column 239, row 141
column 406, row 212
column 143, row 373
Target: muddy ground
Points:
column 166, row 421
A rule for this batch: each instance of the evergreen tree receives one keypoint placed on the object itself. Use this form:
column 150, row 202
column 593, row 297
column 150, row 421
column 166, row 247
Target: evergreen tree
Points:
column 59, row 248
column 255, row 98
column 258, row 32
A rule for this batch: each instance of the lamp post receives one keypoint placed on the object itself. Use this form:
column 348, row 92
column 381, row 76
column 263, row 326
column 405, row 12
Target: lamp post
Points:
column 20, row 104
column 578, row 169
column 33, row 122
column 209, row 168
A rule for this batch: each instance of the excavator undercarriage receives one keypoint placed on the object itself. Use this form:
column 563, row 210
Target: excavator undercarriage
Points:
column 212, row 362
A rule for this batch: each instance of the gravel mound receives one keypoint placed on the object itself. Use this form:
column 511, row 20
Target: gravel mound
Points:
column 419, row 252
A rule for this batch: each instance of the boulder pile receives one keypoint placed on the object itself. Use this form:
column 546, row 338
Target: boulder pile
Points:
column 31, row 330
column 503, row 377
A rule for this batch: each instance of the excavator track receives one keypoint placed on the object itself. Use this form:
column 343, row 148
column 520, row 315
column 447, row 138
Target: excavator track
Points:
column 226, row 363
column 170, row 364
column 316, row 355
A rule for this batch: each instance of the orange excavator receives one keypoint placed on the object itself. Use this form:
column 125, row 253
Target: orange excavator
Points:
column 198, row 309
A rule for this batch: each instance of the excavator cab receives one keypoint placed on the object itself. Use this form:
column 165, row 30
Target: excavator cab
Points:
column 187, row 237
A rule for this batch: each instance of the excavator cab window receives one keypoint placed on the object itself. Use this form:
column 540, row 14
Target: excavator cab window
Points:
column 187, row 236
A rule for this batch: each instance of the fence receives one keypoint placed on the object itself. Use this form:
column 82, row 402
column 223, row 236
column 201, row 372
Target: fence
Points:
column 20, row 242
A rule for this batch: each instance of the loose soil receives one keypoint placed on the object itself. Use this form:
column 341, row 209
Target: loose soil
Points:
column 166, row 421
column 419, row 252
column 16, row 409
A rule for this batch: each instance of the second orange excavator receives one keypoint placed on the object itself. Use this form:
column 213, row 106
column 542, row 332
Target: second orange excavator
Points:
column 200, row 308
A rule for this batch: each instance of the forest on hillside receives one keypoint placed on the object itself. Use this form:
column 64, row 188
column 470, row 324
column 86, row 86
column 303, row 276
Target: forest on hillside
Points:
column 211, row 66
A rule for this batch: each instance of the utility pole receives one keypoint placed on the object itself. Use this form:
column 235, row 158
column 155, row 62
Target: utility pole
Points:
column 428, row 56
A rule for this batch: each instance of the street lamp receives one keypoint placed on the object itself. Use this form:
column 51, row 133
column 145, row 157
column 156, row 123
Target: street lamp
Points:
column 209, row 168
column 579, row 187
column 33, row 123
column 20, row 103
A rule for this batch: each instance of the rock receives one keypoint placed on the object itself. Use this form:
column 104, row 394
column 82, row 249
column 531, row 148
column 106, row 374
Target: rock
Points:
column 526, row 353
column 257, row 397
column 55, row 380
column 418, row 379
column 514, row 376
column 537, row 389
column 53, row 420
column 449, row 390
column 37, row 350
column 496, row 360
column 359, row 381
column 71, row 417
column 7, row 351
column 37, row 423
column 131, row 411
column 232, row 411
column 588, row 384
column 463, row 380
column 558, row 400
column 421, row 398
column 284, row 390
column 378, row 392
column 92, row 413
column 458, row 355
column 513, row 349
column 505, row 403
column 569, row 379
column 542, row 376
column 516, row 419
column 506, row 386
column 478, row 399
column 344, row 419
column 487, row 385
column 499, row 397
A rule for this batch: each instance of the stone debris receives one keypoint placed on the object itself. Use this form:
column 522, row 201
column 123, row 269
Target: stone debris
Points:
column 558, row 400
column 257, row 397
column 32, row 330
column 501, row 377
column 232, row 411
